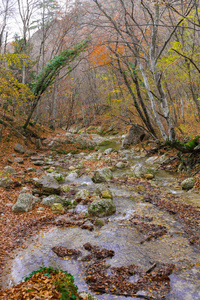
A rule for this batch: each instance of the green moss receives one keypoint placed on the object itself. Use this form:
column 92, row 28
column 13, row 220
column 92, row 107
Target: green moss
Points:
column 64, row 285
column 184, row 147
column 99, row 223
column 61, row 151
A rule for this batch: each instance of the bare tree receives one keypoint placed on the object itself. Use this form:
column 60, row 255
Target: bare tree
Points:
column 140, row 26
column 6, row 9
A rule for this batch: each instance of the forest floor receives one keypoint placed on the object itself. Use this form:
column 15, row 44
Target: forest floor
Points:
column 16, row 228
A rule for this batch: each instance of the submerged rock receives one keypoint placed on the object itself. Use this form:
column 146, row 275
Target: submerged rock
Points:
column 102, row 207
column 102, row 175
column 188, row 183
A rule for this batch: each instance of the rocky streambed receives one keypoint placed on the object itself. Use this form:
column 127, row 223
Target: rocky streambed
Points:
column 153, row 231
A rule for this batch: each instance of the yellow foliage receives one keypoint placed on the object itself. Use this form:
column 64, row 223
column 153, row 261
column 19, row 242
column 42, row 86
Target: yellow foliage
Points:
column 11, row 90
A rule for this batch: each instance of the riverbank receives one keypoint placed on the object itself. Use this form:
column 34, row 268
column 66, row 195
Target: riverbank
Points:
column 155, row 221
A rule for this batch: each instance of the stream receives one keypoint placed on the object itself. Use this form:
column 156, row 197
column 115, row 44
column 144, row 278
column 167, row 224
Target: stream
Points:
column 118, row 234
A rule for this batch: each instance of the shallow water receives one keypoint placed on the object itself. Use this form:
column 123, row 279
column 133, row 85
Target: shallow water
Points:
column 120, row 236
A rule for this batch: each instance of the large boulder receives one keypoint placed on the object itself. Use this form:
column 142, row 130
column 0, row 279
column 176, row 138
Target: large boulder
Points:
column 102, row 207
column 48, row 184
column 24, row 203
column 135, row 136
column 102, row 175
column 188, row 183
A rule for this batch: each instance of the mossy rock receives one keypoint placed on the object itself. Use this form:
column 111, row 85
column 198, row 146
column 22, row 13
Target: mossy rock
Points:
column 102, row 175
column 99, row 222
column 82, row 194
column 59, row 177
column 57, row 207
column 106, row 194
column 65, row 188
column 101, row 208
column 188, row 183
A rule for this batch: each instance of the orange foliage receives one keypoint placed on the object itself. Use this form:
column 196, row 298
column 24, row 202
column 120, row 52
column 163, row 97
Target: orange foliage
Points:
column 101, row 55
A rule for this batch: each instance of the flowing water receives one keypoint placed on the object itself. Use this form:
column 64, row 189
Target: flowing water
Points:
column 120, row 236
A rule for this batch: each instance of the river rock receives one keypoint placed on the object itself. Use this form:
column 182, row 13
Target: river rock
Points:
column 188, row 183
column 9, row 170
column 19, row 148
column 101, row 208
column 83, row 140
column 19, row 160
column 65, row 188
column 108, row 151
column 100, row 187
column 35, row 158
column 120, row 165
column 72, row 168
column 57, row 207
column 36, row 199
column 102, row 175
column 38, row 144
column 135, row 136
column 106, row 194
column 48, row 184
column 5, row 182
column 38, row 162
column 87, row 296
column 80, row 165
column 59, row 177
column 139, row 170
column 24, row 203
column 30, row 152
column 50, row 200
column 149, row 176
column 107, row 160
column 99, row 223
column 72, row 176
column 152, row 159
column 50, row 170
column 82, row 194
column 75, row 129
